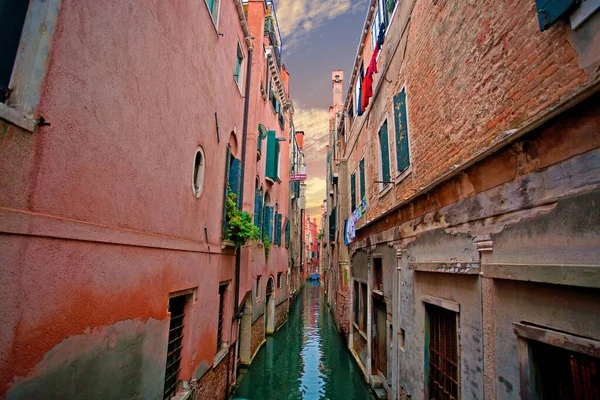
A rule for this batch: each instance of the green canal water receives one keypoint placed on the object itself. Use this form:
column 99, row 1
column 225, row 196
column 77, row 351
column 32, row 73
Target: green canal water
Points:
column 305, row 359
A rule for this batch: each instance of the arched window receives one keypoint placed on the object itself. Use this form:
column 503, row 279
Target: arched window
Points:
column 268, row 218
column 258, row 205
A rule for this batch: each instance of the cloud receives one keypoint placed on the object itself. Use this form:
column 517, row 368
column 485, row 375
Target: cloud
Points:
column 298, row 17
column 315, row 194
column 315, row 124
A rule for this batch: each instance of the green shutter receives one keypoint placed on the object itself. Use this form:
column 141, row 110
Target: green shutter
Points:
column 234, row 177
column 211, row 5
column 277, row 229
column 268, row 223
column 385, row 153
column 363, row 189
column 277, row 149
column 287, row 233
column 225, row 191
column 402, row 151
column 271, row 165
column 353, row 191
column 258, row 208
column 550, row 11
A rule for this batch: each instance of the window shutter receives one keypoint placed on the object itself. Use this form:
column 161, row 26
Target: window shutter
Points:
column 363, row 189
column 353, row 191
column 276, row 159
column 385, row 153
column 12, row 18
column 287, row 233
column 550, row 11
column 402, row 151
column 277, row 229
column 271, row 171
column 224, row 223
column 234, row 177
column 268, row 223
column 258, row 199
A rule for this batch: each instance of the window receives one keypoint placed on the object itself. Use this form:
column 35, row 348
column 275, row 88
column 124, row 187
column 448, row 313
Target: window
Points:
column 363, row 183
column 175, row 344
column 232, row 183
column 198, row 172
column 401, row 120
column 379, row 21
column 267, row 220
column 377, row 274
column 258, row 206
column 213, row 8
column 353, row 192
column 442, row 353
column 279, row 280
column 358, row 90
column 287, row 233
column 222, row 292
column 360, row 306
column 26, row 31
column 556, row 364
column 239, row 62
column 258, row 286
column 12, row 19
column 384, row 153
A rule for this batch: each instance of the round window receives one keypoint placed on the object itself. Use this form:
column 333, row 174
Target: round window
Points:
column 198, row 172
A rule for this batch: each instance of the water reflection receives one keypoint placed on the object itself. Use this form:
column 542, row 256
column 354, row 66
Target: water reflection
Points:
column 306, row 359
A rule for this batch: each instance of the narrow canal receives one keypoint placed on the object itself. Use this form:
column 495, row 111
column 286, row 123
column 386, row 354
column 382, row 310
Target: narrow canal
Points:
column 306, row 359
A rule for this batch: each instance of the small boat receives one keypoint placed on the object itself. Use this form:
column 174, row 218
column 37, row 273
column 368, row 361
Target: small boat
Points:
column 314, row 277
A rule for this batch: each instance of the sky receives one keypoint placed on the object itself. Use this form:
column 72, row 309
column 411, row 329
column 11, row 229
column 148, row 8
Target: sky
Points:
column 319, row 36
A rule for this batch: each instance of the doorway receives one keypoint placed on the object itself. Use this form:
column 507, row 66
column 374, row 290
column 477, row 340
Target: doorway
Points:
column 379, row 345
column 270, row 308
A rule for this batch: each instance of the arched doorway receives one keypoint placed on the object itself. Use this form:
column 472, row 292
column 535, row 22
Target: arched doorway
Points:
column 270, row 308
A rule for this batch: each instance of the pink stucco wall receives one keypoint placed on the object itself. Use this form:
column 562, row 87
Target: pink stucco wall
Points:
column 98, row 222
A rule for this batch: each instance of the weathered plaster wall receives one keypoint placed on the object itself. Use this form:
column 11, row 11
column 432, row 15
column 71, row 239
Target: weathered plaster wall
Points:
column 98, row 222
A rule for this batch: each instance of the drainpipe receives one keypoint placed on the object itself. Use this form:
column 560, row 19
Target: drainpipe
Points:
column 240, row 203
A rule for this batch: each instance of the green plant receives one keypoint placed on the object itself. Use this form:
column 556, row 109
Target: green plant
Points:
column 240, row 228
column 320, row 235
column 267, row 244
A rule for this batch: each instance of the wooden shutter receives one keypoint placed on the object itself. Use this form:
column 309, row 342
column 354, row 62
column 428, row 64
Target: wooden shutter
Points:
column 385, row 153
column 277, row 229
column 353, row 191
column 268, row 222
column 234, row 177
column 12, row 18
column 276, row 168
column 402, row 152
column 258, row 208
column 271, row 170
column 361, row 172
column 225, row 192
column 550, row 11
column 287, row 233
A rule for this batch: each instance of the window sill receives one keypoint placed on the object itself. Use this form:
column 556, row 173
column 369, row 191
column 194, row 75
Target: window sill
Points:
column 220, row 356
column 227, row 244
column 385, row 190
column 14, row 117
column 402, row 175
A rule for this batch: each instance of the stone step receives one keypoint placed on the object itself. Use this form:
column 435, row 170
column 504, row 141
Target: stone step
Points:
column 375, row 381
column 380, row 393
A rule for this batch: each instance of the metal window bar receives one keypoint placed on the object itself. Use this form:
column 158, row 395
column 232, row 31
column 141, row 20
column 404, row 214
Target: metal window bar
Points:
column 443, row 354
column 221, row 309
column 176, row 308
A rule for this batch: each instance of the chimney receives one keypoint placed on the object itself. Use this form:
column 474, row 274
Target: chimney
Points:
column 337, row 77
column 300, row 138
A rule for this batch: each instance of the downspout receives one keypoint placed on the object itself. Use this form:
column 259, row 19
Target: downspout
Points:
column 240, row 199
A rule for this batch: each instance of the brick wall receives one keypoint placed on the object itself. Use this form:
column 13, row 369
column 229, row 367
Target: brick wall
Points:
column 258, row 334
column 281, row 314
column 212, row 385
column 466, row 87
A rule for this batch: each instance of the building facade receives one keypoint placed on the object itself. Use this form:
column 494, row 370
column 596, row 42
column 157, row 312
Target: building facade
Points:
column 123, row 132
column 470, row 144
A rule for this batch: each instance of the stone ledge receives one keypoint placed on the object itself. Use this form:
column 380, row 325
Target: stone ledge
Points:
column 571, row 275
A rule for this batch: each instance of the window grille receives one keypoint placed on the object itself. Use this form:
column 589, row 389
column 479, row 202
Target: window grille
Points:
column 222, row 289
column 443, row 354
column 176, row 308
